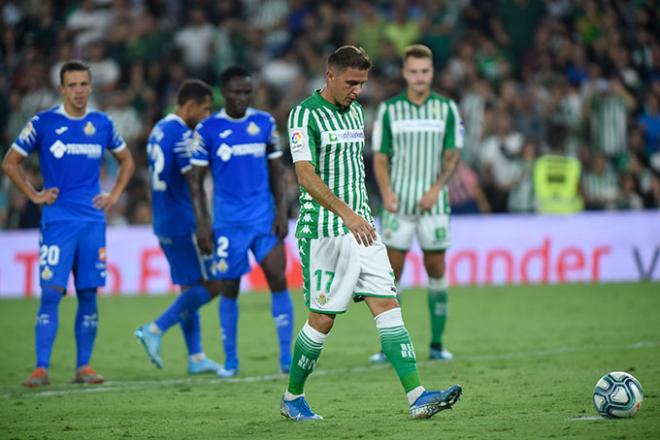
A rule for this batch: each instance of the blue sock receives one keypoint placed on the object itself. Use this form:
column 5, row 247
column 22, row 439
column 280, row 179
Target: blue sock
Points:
column 87, row 320
column 229, row 324
column 182, row 307
column 191, row 333
column 45, row 328
column 282, row 311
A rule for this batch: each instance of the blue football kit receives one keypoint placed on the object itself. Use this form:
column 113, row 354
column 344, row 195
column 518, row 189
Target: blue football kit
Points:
column 237, row 152
column 72, row 235
column 169, row 154
column 70, row 153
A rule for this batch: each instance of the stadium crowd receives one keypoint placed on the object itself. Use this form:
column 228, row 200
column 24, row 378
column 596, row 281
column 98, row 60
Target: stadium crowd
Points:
column 576, row 78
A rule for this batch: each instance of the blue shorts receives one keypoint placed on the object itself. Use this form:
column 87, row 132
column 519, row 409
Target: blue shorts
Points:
column 232, row 244
column 66, row 246
column 187, row 264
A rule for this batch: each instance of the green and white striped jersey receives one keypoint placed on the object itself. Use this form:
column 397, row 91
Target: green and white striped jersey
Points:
column 415, row 138
column 332, row 139
column 608, row 124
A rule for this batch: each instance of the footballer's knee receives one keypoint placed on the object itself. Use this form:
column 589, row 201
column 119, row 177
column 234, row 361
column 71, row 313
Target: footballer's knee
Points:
column 379, row 305
column 434, row 263
column 276, row 281
column 229, row 288
column 321, row 322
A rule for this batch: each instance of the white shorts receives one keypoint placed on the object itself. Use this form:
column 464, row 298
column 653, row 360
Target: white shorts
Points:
column 432, row 231
column 337, row 269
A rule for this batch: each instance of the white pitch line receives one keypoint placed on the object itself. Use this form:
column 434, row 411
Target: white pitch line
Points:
column 585, row 418
column 156, row 383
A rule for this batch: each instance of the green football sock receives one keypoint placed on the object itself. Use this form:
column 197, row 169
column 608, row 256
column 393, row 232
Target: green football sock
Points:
column 398, row 348
column 437, row 301
column 306, row 352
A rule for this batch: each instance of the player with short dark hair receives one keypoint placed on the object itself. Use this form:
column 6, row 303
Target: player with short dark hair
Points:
column 417, row 139
column 239, row 145
column 70, row 141
column 342, row 256
column 169, row 151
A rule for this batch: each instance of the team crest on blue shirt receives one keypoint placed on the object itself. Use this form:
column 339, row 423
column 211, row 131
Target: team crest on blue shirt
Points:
column 89, row 129
column 46, row 274
column 222, row 266
column 253, row 129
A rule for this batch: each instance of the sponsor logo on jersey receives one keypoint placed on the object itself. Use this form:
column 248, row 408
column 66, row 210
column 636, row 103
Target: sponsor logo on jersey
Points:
column 89, row 129
column 225, row 152
column 223, row 134
column 46, row 274
column 58, row 149
column 253, row 129
column 92, row 151
column 340, row 136
column 61, row 130
column 424, row 125
column 297, row 136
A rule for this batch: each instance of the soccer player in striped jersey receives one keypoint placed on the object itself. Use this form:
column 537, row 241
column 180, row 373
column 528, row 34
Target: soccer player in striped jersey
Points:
column 240, row 147
column 342, row 256
column 169, row 152
column 70, row 140
column 416, row 138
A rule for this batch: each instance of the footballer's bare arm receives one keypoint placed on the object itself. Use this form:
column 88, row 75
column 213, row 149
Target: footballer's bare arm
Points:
column 278, row 187
column 126, row 169
column 382, row 171
column 195, row 179
column 11, row 166
column 363, row 231
column 449, row 164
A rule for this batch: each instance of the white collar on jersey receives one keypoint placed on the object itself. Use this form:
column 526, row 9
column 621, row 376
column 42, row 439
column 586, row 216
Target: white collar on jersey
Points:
column 175, row 117
column 60, row 110
column 223, row 114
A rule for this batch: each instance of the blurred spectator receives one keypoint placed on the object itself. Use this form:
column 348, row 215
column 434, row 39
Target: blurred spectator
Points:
column 600, row 184
column 521, row 193
column 649, row 122
column 515, row 24
column 195, row 42
column 439, row 28
column 367, row 30
column 88, row 23
column 105, row 71
column 576, row 77
column 473, row 108
column 126, row 118
column 21, row 212
column 607, row 104
column 629, row 197
column 465, row 193
column 557, row 179
column 402, row 30
column 498, row 161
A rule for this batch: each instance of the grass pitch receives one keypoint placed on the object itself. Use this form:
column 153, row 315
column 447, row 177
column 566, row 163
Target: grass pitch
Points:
column 527, row 357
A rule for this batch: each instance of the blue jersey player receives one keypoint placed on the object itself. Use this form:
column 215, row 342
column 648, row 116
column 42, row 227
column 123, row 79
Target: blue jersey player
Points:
column 70, row 141
column 169, row 155
column 239, row 146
